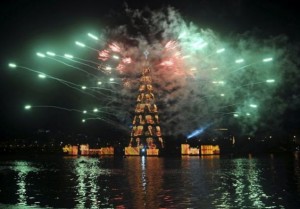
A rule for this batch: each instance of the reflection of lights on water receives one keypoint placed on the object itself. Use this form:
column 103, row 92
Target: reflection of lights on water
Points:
column 21, row 189
column 247, row 186
column 144, row 173
column 145, row 177
column 88, row 171
column 256, row 193
column 23, row 169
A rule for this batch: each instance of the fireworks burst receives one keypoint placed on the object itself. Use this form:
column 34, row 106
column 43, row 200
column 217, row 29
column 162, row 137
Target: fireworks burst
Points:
column 198, row 77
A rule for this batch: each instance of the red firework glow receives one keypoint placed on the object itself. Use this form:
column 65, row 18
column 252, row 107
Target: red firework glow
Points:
column 114, row 47
column 104, row 55
column 126, row 60
column 168, row 63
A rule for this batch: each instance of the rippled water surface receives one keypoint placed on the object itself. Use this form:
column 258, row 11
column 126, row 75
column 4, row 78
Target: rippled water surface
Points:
column 138, row 182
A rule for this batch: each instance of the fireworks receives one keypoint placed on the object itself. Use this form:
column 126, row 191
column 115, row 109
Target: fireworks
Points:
column 199, row 78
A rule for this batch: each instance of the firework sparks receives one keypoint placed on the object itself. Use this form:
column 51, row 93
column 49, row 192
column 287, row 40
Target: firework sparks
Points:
column 199, row 78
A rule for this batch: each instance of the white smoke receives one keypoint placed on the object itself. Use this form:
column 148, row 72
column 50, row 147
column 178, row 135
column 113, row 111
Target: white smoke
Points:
column 202, row 86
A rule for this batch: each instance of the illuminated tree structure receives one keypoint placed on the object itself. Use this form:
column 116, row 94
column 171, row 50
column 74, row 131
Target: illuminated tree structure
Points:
column 146, row 132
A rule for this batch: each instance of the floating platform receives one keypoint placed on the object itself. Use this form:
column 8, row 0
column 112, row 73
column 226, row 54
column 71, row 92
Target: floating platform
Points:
column 136, row 151
column 204, row 150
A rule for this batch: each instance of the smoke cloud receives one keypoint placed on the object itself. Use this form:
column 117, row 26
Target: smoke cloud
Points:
column 201, row 78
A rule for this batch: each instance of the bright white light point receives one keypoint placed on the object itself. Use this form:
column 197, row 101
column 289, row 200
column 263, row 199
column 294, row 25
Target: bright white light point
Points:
column 83, row 120
column 199, row 44
column 218, row 82
column 108, row 68
column 115, row 57
column 42, row 76
column 83, row 87
column 95, row 110
column 186, row 56
column 239, row 61
column 182, row 35
column 202, row 45
column 51, row 54
column 99, row 83
column 235, row 115
column 68, row 56
column 92, row 36
column 111, row 79
column 40, row 54
column 27, row 107
column 248, row 114
column 270, row 81
column 200, row 40
column 12, row 65
column 269, row 59
column 215, row 68
column 220, row 50
column 79, row 44
column 193, row 69
column 253, row 105
column 84, row 111
column 222, row 95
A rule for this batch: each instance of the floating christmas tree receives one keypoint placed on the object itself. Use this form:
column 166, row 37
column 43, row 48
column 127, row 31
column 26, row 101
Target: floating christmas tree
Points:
column 146, row 132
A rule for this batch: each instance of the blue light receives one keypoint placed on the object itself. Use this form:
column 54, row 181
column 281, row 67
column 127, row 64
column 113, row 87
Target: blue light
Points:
column 198, row 131
column 143, row 150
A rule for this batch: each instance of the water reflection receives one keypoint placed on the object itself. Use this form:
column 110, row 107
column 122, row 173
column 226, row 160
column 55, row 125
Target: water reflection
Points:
column 88, row 171
column 242, row 186
column 199, row 176
column 22, row 168
column 247, row 185
column 151, row 182
column 297, row 170
column 145, row 181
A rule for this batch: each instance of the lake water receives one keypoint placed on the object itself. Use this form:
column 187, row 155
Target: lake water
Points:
column 270, row 181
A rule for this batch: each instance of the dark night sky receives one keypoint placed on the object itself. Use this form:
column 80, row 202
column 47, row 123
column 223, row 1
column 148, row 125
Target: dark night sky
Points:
column 26, row 25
